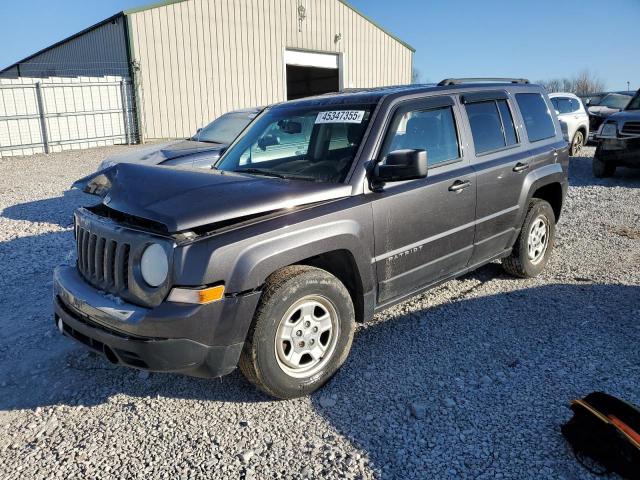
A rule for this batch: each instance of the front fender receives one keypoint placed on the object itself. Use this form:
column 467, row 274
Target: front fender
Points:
column 256, row 262
column 244, row 258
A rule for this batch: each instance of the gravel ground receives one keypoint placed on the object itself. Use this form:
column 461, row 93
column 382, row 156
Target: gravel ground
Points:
column 471, row 380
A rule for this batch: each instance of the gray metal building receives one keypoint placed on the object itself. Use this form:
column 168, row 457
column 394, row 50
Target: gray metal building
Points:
column 190, row 61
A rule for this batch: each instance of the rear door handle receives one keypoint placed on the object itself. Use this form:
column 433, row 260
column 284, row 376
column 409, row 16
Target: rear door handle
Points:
column 459, row 185
column 520, row 167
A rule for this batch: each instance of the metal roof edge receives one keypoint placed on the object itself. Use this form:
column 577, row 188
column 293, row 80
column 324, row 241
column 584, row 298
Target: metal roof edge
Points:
column 63, row 41
column 373, row 22
column 151, row 6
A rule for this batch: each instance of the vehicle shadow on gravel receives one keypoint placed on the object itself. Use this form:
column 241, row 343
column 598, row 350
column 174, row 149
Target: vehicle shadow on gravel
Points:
column 580, row 175
column 481, row 385
column 54, row 210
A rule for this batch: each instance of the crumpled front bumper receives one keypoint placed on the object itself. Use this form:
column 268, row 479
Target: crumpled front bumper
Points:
column 197, row 340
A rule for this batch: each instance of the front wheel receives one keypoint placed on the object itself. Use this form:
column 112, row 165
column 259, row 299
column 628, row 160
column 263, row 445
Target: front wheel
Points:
column 533, row 247
column 301, row 333
column 577, row 143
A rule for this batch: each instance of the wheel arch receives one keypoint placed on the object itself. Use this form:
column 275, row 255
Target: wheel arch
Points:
column 341, row 248
column 553, row 194
column 342, row 265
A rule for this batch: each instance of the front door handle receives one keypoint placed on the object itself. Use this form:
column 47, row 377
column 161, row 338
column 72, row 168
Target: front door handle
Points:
column 520, row 167
column 459, row 185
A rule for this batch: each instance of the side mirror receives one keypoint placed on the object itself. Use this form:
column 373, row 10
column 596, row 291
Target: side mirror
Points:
column 268, row 141
column 402, row 165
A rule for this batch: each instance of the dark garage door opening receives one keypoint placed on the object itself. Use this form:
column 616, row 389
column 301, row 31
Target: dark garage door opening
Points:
column 308, row 81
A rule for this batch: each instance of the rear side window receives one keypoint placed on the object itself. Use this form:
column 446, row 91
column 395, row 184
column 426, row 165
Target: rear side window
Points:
column 575, row 104
column 565, row 105
column 536, row 115
column 507, row 122
column 491, row 125
column 433, row 130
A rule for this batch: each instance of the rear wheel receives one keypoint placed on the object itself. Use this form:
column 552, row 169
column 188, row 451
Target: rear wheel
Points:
column 577, row 143
column 301, row 333
column 602, row 169
column 535, row 243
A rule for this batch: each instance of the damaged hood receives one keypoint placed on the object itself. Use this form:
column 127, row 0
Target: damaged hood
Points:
column 183, row 199
column 180, row 152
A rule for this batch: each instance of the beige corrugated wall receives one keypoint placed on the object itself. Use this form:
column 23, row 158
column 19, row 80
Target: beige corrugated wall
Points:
column 201, row 58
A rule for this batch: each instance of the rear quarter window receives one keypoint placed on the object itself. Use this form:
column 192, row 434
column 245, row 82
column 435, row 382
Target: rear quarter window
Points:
column 536, row 116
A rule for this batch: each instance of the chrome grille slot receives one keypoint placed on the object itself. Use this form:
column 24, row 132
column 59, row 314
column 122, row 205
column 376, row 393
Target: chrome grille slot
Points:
column 631, row 128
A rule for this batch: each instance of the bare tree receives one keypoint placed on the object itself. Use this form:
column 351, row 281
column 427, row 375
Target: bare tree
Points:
column 586, row 82
column 581, row 84
column 553, row 85
column 416, row 76
column 568, row 85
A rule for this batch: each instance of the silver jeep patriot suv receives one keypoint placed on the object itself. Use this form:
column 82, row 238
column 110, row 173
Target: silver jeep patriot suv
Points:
column 322, row 212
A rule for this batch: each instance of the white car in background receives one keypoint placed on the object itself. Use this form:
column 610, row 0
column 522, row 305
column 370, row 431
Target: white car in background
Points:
column 571, row 111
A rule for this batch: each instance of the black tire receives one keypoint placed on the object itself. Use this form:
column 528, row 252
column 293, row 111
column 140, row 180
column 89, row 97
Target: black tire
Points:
column 259, row 361
column 577, row 143
column 602, row 169
column 519, row 263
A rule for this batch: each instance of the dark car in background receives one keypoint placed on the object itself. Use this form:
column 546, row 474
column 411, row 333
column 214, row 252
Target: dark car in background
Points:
column 611, row 103
column 592, row 99
column 618, row 141
column 200, row 151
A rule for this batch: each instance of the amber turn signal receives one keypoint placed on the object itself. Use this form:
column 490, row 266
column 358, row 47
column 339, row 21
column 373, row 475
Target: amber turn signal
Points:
column 198, row 296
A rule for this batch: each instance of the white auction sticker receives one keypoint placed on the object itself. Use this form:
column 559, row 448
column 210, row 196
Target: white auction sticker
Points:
column 340, row 116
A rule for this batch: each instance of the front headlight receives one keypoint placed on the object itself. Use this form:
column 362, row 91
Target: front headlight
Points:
column 106, row 164
column 154, row 265
column 609, row 129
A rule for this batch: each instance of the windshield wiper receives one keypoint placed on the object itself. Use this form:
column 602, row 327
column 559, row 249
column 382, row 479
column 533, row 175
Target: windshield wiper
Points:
column 269, row 173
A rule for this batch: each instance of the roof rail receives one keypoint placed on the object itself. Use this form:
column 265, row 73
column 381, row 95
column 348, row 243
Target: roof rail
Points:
column 458, row 81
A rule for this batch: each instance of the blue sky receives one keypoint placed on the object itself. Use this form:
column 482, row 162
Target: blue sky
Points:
column 536, row 39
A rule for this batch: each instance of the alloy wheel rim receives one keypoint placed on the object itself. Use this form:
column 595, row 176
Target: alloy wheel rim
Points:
column 577, row 144
column 306, row 336
column 538, row 239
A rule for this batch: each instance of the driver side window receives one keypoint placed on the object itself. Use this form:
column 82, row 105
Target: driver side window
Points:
column 433, row 130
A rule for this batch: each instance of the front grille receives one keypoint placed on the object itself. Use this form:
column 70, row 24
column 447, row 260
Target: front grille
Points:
column 108, row 254
column 103, row 261
column 631, row 128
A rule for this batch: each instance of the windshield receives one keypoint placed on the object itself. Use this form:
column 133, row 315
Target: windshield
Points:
column 635, row 103
column 316, row 144
column 224, row 129
column 614, row 100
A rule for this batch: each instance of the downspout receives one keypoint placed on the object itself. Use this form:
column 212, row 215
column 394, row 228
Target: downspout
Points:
column 133, row 69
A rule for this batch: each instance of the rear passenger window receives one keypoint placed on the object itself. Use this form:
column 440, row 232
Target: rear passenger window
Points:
column 492, row 125
column 432, row 130
column 507, row 122
column 575, row 104
column 536, row 115
column 564, row 105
